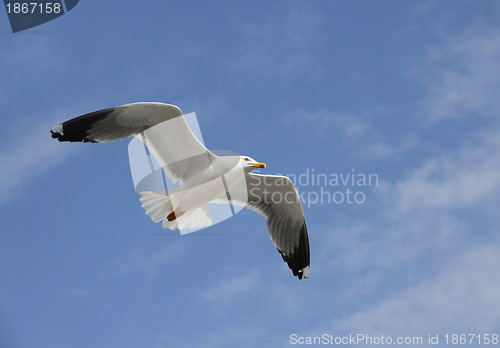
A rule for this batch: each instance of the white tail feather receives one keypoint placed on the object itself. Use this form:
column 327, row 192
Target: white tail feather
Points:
column 158, row 206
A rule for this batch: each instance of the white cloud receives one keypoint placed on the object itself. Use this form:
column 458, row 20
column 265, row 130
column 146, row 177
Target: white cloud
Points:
column 461, row 75
column 423, row 257
column 282, row 50
column 469, row 178
column 460, row 297
column 226, row 289
column 354, row 131
column 150, row 262
column 27, row 151
column 431, row 212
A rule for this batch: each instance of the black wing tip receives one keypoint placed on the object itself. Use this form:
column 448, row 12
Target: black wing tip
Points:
column 55, row 135
column 76, row 129
column 61, row 137
column 299, row 260
column 299, row 273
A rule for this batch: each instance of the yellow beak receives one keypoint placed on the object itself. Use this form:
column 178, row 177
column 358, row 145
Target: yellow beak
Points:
column 259, row 165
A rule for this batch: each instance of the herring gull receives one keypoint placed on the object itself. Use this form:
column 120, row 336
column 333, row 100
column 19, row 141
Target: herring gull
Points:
column 185, row 160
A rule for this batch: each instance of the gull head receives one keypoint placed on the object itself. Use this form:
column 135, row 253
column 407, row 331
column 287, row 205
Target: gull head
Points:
column 250, row 164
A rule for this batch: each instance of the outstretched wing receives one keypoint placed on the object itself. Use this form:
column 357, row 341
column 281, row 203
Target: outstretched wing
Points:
column 276, row 198
column 161, row 127
column 115, row 123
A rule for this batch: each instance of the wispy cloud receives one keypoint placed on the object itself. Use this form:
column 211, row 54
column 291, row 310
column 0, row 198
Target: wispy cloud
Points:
column 147, row 261
column 27, row 151
column 226, row 289
column 355, row 131
column 284, row 50
column 460, row 296
column 461, row 75
column 427, row 215
column 424, row 256
column 468, row 178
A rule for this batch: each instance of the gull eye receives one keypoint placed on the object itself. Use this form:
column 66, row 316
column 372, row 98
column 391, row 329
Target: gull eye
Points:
column 246, row 159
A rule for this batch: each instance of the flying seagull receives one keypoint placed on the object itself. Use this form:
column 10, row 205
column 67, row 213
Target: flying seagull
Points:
column 186, row 161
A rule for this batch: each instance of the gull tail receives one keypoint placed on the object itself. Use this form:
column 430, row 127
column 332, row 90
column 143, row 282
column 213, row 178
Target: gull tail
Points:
column 158, row 206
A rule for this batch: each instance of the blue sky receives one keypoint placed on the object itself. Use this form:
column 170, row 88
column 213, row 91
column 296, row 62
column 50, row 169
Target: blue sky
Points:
column 407, row 90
